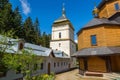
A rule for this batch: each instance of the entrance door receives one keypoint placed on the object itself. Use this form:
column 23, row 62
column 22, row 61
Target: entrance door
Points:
column 96, row 64
column 48, row 68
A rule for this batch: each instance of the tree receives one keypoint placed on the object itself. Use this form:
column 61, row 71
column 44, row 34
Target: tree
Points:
column 7, row 18
column 37, row 27
column 3, row 3
column 4, row 45
column 46, row 39
column 17, row 20
column 29, row 31
column 28, row 28
column 24, row 61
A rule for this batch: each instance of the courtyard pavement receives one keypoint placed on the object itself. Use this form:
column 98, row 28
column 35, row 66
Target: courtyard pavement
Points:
column 74, row 75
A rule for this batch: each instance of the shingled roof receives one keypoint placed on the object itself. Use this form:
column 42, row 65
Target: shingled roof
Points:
column 115, row 17
column 38, row 50
column 62, row 18
column 99, row 21
column 102, row 3
column 60, row 54
column 99, row 51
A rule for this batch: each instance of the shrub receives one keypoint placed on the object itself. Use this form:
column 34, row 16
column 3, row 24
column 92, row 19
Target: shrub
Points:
column 44, row 77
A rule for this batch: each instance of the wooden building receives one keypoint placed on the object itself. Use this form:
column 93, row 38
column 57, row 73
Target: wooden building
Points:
column 99, row 40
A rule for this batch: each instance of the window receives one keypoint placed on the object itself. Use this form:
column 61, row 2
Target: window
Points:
column 117, row 6
column 54, row 64
column 41, row 67
column 58, row 64
column 93, row 40
column 35, row 66
column 59, row 34
column 59, row 44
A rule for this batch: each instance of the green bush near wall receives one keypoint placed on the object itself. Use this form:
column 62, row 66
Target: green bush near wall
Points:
column 44, row 77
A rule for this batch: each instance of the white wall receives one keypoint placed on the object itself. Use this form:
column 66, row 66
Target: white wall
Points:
column 57, row 68
column 64, row 32
column 71, row 34
column 67, row 40
column 65, row 46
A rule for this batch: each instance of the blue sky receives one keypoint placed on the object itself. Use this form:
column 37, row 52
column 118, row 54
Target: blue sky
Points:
column 79, row 12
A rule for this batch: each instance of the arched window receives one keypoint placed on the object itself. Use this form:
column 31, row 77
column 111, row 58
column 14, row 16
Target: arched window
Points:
column 59, row 34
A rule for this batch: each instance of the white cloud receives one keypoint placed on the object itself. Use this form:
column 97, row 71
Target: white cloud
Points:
column 76, row 41
column 25, row 6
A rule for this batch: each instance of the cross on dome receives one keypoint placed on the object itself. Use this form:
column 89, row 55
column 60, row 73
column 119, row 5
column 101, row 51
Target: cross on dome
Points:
column 63, row 10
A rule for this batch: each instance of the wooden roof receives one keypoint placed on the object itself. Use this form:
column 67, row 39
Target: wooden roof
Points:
column 99, row 51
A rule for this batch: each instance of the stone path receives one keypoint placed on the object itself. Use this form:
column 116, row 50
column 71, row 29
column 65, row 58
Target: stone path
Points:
column 73, row 75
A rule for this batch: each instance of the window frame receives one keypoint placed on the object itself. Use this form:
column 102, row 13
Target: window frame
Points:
column 60, row 35
column 59, row 44
column 54, row 64
column 41, row 66
column 117, row 6
column 92, row 42
column 58, row 64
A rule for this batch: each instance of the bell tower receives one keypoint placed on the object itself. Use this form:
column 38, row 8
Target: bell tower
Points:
column 63, row 35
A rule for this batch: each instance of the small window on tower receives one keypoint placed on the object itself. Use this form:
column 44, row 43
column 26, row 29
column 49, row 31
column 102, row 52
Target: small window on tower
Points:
column 59, row 34
column 117, row 7
column 59, row 44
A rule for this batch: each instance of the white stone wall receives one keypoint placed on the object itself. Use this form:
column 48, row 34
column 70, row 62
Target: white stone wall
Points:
column 72, row 47
column 61, row 43
column 72, row 51
column 64, row 30
column 66, row 42
column 65, row 46
column 11, row 75
column 54, row 69
column 71, row 34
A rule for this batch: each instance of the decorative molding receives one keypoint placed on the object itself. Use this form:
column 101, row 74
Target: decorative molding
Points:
column 63, row 40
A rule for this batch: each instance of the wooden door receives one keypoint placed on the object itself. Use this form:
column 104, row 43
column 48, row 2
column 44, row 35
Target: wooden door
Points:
column 48, row 68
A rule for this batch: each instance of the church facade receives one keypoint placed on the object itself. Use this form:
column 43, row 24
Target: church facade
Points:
column 99, row 40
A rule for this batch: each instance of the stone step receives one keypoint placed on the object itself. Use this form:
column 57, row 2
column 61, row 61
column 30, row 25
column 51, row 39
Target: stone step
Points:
column 94, row 74
column 112, row 76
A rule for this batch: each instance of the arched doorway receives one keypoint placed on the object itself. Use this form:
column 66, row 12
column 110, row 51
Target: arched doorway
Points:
column 48, row 68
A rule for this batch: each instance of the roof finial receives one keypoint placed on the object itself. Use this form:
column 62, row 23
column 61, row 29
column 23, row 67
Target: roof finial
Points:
column 63, row 11
column 95, row 11
column 95, row 5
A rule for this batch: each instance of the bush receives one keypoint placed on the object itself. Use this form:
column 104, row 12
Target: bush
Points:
column 44, row 77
